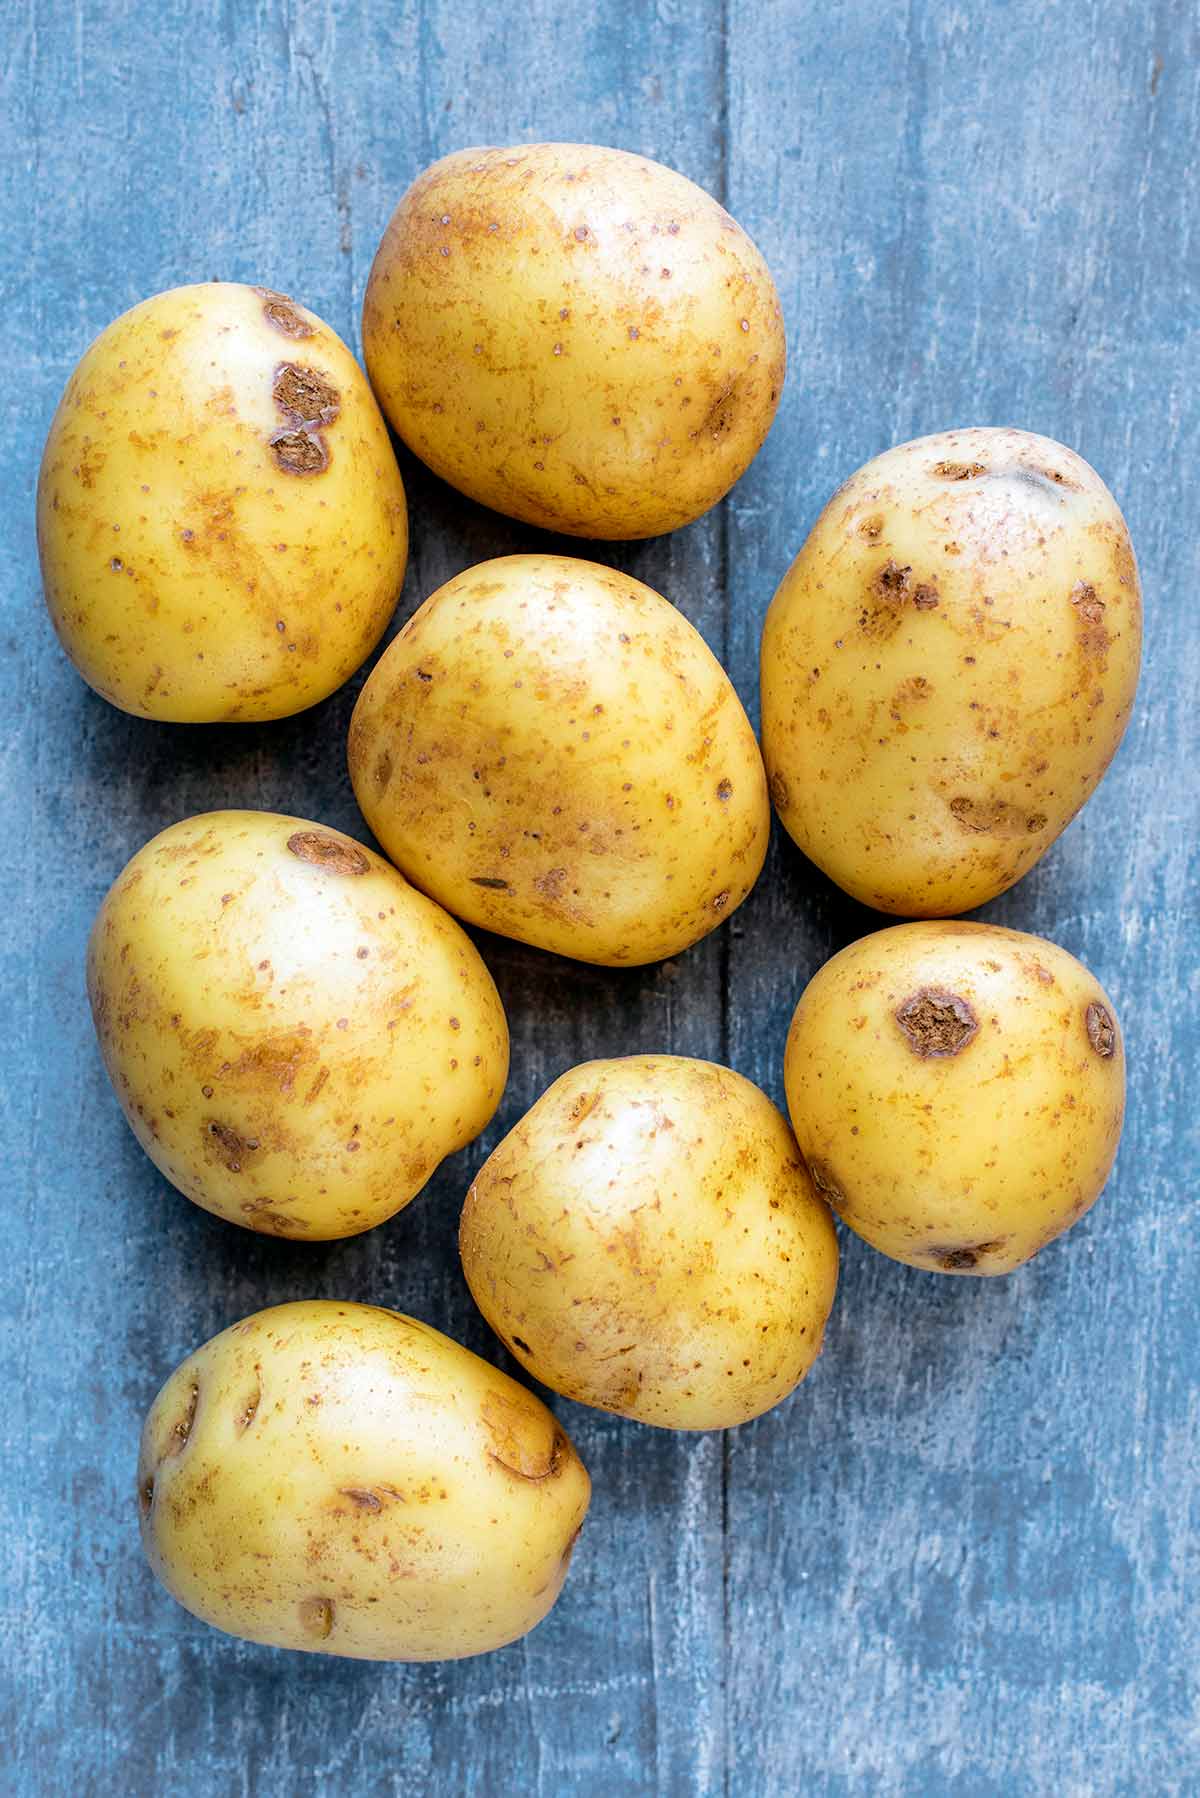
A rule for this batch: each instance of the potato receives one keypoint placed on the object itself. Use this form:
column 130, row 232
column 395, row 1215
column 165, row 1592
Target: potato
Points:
column 648, row 1241
column 958, row 1091
column 221, row 520
column 949, row 666
column 551, row 751
column 296, row 1036
column 575, row 336
column 346, row 1480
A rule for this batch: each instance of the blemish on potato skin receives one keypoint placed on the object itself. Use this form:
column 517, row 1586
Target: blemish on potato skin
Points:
column 305, row 394
column 1101, row 1030
column 335, row 854
column 316, row 1617
column 299, row 452
column 280, row 311
column 962, row 1260
column 937, row 1024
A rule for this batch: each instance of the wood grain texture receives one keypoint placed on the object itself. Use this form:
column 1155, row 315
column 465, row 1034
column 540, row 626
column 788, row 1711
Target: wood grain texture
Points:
column 963, row 1558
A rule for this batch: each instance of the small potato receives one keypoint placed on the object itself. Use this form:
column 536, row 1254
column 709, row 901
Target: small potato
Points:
column 221, row 520
column 575, row 336
column 647, row 1240
column 297, row 1037
column 958, row 1092
column 553, row 752
column 342, row 1479
column 949, row 666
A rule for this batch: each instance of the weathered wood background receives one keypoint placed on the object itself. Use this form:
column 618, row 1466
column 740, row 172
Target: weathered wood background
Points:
column 964, row 1558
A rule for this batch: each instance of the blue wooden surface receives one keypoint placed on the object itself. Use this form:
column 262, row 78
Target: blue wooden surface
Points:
column 964, row 1558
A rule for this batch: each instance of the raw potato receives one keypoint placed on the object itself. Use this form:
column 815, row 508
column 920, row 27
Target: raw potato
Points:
column 551, row 751
column 647, row 1240
column 221, row 520
column 297, row 1037
column 958, row 1091
column 342, row 1479
column 575, row 336
column 949, row 666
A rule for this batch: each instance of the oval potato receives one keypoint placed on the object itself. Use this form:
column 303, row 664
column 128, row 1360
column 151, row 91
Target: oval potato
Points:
column 949, row 666
column 342, row 1479
column 574, row 336
column 552, row 751
column 647, row 1240
column 221, row 521
column 296, row 1035
column 957, row 1091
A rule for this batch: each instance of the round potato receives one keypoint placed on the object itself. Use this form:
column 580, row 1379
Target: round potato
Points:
column 552, row 751
column 957, row 1091
column 221, row 520
column 346, row 1480
column 574, row 336
column 648, row 1241
column 949, row 666
column 297, row 1037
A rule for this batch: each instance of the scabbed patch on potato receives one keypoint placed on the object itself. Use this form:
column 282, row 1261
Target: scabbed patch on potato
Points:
column 958, row 1092
column 221, row 521
column 949, row 666
column 552, row 751
column 576, row 336
column 345, row 1480
column 647, row 1240
column 296, row 1035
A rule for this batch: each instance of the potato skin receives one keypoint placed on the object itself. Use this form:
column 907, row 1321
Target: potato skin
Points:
column 948, row 667
column 296, row 1036
column 551, row 751
column 957, row 1091
column 199, row 562
column 345, row 1480
column 648, row 1241
column 574, row 336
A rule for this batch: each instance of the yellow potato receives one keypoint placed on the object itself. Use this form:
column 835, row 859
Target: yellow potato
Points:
column 949, row 666
column 647, row 1241
column 221, row 520
column 575, row 336
column 551, row 750
column 958, row 1091
column 342, row 1479
column 297, row 1037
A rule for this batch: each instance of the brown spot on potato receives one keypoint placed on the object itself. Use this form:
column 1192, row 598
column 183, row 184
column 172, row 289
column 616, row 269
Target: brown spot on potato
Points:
column 362, row 1497
column 517, row 1435
column 300, row 452
column 995, row 817
column 724, row 789
column 1101, row 1031
column 520, row 1342
column 552, row 884
column 305, row 394
column 489, row 880
column 230, row 1147
column 823, row 1179
column 316, row 1617
column 249, row 1410
column 335, row 854
column 583, row 1107
column 958, row 471
column 280, row 311
column 937, row 1024
column 145, row 1495
column 182, row 1428
column 959, row 1260
column 871, row 528
column 721, row 900
column 1089, row 608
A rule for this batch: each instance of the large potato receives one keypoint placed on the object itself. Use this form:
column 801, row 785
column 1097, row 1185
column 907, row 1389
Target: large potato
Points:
column 574, row 336
column 647, row 1240
column 221, row 519
column 949, row 666
column 296, row 1035
column 342, row 1479
column 958, row 1091
column 552, row 752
